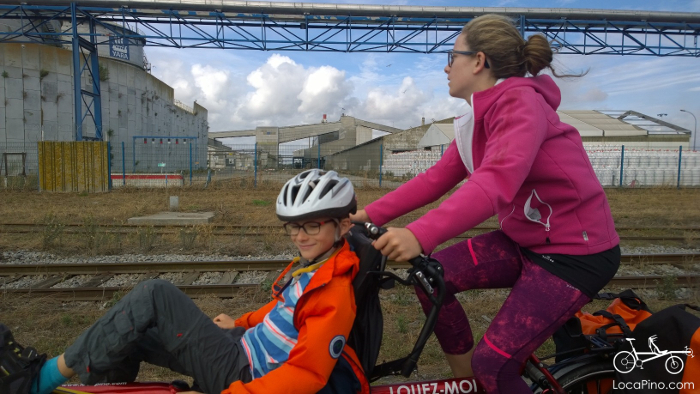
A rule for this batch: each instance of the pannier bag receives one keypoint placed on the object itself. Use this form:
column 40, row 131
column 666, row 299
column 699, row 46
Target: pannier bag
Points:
column 616, row 321
column 18, row 365
column 663, row 356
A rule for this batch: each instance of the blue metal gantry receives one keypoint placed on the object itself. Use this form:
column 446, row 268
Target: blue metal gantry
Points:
column 267, row 26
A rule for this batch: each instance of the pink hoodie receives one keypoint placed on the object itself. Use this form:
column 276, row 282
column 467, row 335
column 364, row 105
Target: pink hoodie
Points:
column 529, row 168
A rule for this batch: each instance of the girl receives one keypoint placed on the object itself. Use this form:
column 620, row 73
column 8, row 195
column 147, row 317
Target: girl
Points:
column 557, row 245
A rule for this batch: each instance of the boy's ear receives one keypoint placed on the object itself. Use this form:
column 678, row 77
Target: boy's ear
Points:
column 345, row 226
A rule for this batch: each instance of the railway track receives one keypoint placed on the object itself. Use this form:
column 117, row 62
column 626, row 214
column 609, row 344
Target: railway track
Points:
column 96, row 275
column 265, row 230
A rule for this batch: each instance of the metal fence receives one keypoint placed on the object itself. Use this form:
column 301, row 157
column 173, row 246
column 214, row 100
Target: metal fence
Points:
column 372, row 164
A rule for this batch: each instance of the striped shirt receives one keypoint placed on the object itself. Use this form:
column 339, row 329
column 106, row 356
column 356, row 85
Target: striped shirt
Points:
column 268, row 344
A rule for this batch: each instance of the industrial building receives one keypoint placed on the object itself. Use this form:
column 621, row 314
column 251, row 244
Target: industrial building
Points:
column 652, row 147
column 138, row 110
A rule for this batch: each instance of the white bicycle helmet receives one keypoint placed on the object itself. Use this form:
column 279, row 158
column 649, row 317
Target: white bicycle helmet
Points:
column 315, row 193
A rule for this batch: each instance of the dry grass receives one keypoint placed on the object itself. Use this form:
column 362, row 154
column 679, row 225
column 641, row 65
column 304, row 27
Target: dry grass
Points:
column 51, row 325
column 243, row 205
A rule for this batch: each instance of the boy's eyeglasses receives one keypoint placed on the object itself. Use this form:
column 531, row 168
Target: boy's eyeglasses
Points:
column 451, row 57
column 310, row 228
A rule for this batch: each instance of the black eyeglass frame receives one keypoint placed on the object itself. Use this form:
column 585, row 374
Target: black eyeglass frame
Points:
column 293, row 229
column 450, row 57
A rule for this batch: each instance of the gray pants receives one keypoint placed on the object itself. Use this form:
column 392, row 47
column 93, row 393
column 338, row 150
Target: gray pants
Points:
column 159, row 324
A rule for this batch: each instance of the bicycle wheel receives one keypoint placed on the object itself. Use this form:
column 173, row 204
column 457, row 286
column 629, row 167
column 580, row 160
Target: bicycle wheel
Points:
column 624, row 362
column 674, row 365
column 594, row 378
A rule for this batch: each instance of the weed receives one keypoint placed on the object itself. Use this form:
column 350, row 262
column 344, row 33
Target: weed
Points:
column 67, row 320
column 53, row 231
column 261, row 203
column 84, row 193
column 401, row 324
column 5, row 74
column 666, row 288
column 147, row 238
column 205, row 233
column 59, row 96
column 103, row 72
column 43, row 73
column 110, row 133
column 188, row 236
column 89, row 233
column 116, row 296
column 266, row 284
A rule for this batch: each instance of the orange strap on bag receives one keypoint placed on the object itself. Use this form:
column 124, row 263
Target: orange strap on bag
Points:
column 621, row 317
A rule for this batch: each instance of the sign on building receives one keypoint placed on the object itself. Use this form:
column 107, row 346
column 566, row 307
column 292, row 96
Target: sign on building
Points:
column 119, row 47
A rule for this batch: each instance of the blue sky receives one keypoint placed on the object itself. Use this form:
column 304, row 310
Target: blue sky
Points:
column 245, row 89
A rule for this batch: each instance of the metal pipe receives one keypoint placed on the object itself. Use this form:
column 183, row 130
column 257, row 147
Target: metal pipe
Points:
column 695, row 130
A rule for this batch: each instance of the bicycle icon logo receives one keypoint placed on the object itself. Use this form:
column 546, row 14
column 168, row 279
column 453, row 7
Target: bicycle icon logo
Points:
column 625, row 362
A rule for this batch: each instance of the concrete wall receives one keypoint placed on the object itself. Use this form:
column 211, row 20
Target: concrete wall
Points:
column 36, row 103
column 362, row 159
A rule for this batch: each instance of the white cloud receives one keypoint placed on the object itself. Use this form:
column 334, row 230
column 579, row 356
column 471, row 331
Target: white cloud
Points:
column 324, row 91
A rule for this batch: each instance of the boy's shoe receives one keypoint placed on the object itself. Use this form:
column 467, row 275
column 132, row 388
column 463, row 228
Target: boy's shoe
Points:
column 19, row 366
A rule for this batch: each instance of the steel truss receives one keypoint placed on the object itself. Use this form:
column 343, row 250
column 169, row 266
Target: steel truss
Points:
column 181, row 28
column 304, row 27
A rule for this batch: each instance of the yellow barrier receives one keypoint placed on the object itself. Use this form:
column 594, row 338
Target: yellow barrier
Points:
column 79, row 166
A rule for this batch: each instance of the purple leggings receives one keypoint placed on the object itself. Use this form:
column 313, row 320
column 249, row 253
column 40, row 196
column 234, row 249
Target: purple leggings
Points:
column 538, row 304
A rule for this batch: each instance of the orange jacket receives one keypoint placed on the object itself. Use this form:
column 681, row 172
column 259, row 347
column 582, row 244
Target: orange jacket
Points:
column 325, row 310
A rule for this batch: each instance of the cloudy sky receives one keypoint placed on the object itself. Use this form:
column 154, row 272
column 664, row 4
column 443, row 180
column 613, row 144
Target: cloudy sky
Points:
column 245, row 89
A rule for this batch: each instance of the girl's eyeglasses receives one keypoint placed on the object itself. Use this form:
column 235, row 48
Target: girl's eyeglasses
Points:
column 310, row 228
column 451, row 57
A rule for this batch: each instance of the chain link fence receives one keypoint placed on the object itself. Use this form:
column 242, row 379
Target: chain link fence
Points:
column 156, row 162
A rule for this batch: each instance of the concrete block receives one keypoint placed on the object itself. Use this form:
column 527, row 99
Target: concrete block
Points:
column 50, row 130
column 30, row 72
column 32, row 83
column 30, row 58
column 65, row 78
column 13, row 88
column 32, row 100
column 2, row 85
column 3, row 135
column 65, row 105
column 32, row 133
column 65, row 133
column 49, row 88
column 121, row 74
column 14, row 108
column 131, row 76
column 32, row 118
column 15, row 128
column 13, row 55
column 64, row 64
column 2, row 117
column 48, row 59
column 50, row 110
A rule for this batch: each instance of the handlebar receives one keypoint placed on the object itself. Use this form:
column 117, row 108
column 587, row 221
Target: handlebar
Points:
column 427, row 274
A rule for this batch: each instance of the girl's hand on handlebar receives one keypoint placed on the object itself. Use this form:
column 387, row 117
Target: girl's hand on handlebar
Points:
column 398, row 244
column 360, row 216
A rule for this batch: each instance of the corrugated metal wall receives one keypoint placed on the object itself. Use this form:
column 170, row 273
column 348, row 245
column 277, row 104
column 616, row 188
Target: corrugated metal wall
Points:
column 73, row 166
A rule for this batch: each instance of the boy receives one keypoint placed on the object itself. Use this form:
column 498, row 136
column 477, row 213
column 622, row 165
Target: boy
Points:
column 291, row 345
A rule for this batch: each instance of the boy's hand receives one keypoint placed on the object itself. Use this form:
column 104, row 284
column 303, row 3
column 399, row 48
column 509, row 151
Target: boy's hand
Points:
column 225, row 321
column 398, row 244
column 360, row 216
